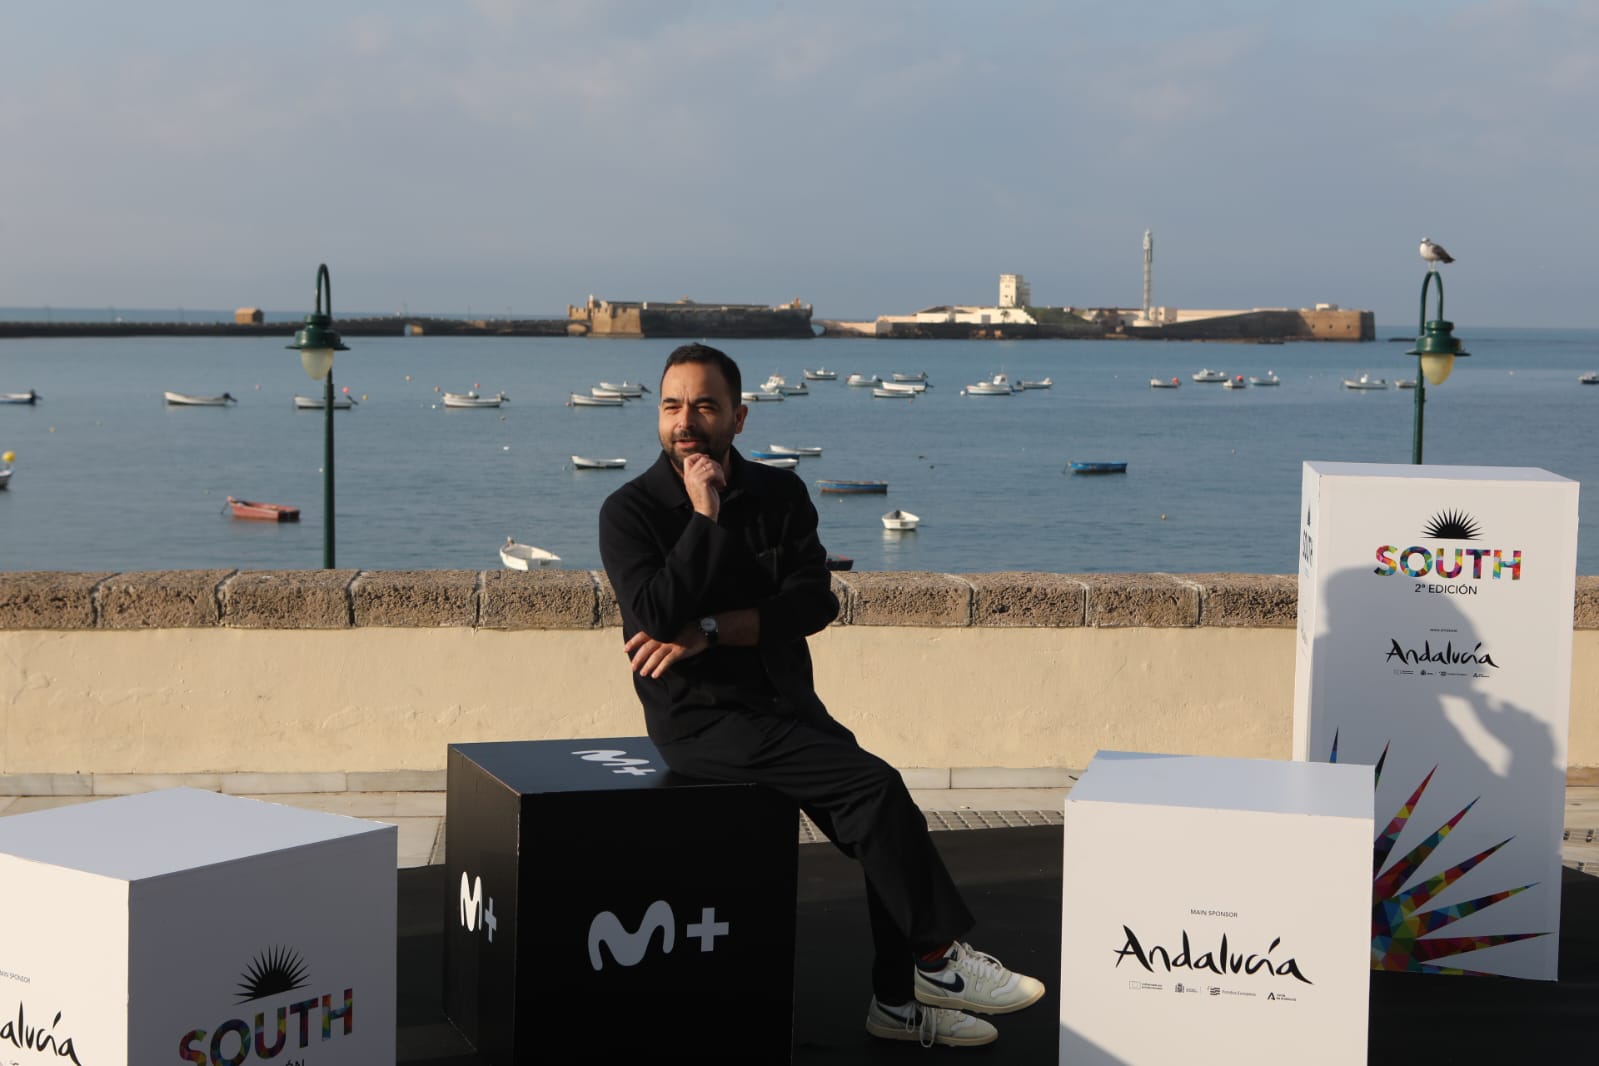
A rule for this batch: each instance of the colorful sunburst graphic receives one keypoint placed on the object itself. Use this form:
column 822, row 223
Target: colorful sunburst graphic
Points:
column 1398, row 924
column 274, row 970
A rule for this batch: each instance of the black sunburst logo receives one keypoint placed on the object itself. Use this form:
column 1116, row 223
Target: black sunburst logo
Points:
column 274, row 970
column 1452, row 525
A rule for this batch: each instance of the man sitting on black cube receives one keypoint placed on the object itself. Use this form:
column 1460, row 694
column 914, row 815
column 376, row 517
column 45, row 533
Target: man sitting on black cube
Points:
column 720, row 577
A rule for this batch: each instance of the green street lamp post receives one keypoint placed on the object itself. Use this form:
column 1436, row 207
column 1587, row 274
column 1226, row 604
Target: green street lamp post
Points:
column 1438, row 348
column 317, row 342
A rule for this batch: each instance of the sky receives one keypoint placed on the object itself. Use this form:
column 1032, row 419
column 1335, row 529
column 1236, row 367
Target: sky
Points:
column 866, row 156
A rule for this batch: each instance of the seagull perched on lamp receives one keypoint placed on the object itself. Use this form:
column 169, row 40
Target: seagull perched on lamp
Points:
column 1434, row 253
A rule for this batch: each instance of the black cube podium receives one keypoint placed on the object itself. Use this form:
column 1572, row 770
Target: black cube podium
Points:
column 600, row 908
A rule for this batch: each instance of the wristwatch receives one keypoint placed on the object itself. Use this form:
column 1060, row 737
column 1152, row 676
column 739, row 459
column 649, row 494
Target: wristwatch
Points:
column 708, row 628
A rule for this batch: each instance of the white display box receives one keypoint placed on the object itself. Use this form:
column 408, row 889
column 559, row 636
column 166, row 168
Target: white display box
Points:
column 1214, row 910
column 1435, row 618
column 186, row 926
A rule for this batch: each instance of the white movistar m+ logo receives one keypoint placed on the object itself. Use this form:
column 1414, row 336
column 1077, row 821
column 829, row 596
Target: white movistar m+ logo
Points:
column 620, row 761
column 629, row 949
column 475, row 909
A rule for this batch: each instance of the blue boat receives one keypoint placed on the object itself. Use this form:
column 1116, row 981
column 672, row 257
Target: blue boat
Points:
column 771, row 455
column 1098, row 468
column 852, row 487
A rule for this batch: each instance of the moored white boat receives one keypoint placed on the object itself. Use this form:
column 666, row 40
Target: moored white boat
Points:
column 1162, row 383
column 1365, row 381
column 611, row 394
column 821, row 374
column 862, row 381
column 900, row 520
column 183, row 399
column 582, row 462
column 757, row 396
column 884, row 393
column 1269, row 378
column 1590, row 378
column 998, row 385
column 920, row 375
column 472, row 399
column 524, row 556
column 798, row 452
column 1404, row 383
column 1235, row 383
column 314, row 403
column 1210, row 375
column 782, row 462
column 579, row 400
column 631, row 390
column 1043, row 383
column 911, row 387
column 778, row 383
column 28, row 397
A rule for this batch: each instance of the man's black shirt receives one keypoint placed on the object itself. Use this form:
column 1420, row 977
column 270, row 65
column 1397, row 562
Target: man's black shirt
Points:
column 670, row 566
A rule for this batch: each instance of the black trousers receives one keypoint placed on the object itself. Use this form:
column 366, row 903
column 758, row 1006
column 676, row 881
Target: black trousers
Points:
column 861, row 803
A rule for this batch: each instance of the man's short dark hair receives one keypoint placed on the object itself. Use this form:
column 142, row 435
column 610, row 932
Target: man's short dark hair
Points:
column 704, row 353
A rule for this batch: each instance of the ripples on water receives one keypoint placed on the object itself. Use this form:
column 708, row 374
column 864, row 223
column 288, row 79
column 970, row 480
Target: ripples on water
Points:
column 108, row 478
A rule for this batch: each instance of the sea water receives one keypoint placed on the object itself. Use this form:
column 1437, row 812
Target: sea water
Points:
column 107, row 477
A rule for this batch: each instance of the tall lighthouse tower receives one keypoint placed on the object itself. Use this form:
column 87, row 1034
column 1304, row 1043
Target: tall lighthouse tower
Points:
column 1149, row 273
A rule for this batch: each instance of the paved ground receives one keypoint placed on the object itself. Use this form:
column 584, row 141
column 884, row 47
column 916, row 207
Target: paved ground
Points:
column 1012, row 875
column 1012, row 880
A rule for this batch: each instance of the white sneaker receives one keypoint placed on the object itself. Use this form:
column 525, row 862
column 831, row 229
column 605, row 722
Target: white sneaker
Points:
column 971, row 980
column 929, row 1026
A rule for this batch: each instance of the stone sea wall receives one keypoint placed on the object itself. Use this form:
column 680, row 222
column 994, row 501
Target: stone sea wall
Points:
column 1012, row 677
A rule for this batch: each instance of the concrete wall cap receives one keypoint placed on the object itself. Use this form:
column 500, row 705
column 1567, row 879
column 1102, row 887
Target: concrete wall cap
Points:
column 538, row 599
column 288, row 599
column 1027, row 598
column 583, row 599
column 161, row 599
column 1260, row 601
column 48, row 599
column 906, row 598
column 1150, row 601
column 421, row 599
column 1586, row 615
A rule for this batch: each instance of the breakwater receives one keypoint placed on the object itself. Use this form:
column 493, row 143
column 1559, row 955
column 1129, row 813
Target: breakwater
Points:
column 385, row 326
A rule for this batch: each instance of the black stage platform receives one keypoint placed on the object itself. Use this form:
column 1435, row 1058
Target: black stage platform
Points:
column 1012, row 881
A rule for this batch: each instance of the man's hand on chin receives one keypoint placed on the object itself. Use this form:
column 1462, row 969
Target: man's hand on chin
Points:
column 650, row 657
column 704, row 480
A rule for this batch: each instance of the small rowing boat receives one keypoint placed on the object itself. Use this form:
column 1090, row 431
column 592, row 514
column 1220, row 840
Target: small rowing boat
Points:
column 524, row 556
column 263, row 512
column 850, row 488
column 1098, row 468
column 29, row 397
column 183, row 399
column 584, row 463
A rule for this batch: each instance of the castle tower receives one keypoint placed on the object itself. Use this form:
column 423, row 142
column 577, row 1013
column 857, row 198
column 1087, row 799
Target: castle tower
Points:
column 1014, row 291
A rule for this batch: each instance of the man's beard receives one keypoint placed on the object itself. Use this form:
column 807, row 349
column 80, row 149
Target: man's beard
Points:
column 707, row 446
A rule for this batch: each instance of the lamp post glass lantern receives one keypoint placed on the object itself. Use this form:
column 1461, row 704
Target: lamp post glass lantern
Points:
column 317, row 341
column 1437, row 348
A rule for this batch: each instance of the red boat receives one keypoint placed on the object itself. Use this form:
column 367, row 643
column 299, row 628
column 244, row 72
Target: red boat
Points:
column 266, row 512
